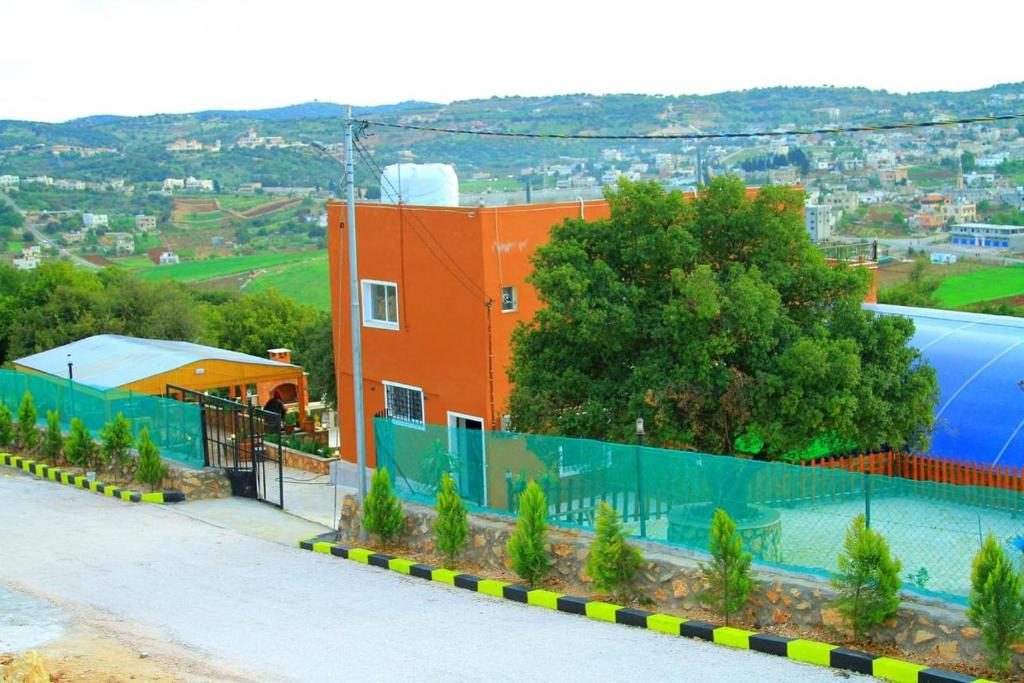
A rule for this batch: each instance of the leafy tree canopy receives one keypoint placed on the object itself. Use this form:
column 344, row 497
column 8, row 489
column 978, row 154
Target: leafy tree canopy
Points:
column 716, row 320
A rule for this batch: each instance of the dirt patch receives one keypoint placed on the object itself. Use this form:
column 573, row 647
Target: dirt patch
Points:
column 98, row 260
column 270, row 207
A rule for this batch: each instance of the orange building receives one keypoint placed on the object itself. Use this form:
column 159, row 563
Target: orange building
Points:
column 441, row 291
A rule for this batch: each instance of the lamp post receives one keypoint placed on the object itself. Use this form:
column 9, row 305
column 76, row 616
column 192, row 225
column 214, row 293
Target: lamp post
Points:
column 71, row 388
column 640, row 506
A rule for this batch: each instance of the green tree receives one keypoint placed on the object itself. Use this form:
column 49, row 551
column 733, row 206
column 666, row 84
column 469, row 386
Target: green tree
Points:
column 728, row 574
column 612, row 562
column 27, row 431
column 6, row 426
column 996, row 602
column 919, row 289
column 152, row 469
column 868, row 581
column 79, row 448
column 382, row 511
column 314, row 351
column 53, row 440
column 526, row 546
column 451, row 528
column 254, row 323
column 968, row 161
column 117, row 443
column 716, row 319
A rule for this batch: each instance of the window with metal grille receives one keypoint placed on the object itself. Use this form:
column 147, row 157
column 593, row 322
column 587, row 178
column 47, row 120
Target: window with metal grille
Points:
column 509, row 302
column 380, row 304
column 404, row 403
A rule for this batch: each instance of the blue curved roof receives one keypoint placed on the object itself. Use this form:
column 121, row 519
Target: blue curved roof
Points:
column 979, row 360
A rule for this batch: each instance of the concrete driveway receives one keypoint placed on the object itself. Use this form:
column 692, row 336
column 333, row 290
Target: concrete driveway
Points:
column 206, row 578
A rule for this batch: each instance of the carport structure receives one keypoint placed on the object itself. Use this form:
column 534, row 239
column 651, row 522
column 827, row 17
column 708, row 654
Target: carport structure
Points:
column 149, row 366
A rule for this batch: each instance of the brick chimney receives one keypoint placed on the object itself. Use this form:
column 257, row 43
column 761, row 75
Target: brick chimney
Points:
column 280, row 355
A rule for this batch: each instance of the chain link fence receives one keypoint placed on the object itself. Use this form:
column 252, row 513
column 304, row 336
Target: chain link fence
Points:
column 788, row 515
column 173, row 425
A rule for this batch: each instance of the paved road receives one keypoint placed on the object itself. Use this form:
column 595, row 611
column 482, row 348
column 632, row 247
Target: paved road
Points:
column 46, row 240
column 265, row 611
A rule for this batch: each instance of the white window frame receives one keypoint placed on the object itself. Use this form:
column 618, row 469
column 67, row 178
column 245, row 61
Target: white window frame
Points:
column 366, row 290
column 400, row 420
column 515, row 299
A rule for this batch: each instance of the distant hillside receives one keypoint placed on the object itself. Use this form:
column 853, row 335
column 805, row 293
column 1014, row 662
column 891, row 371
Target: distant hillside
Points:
column 141, row 156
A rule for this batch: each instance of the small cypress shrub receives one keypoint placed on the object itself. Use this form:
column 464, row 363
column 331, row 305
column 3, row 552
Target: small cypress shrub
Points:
column 996, row 602
column 728, row 574
column 612, row 562
column 79, row 447
column 868, row 581
column 117, row 442
column 27, row 432
column 382, row 511
column 53, row 440
column 6, row 426
column 526, row 546
column 152, row 469
column 451, row 528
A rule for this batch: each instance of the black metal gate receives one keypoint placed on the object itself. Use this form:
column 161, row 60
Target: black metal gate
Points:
column 243, row 440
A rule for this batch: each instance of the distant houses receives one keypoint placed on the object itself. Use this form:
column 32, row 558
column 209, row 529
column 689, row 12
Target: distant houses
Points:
column 91, row 221
column 162, row 256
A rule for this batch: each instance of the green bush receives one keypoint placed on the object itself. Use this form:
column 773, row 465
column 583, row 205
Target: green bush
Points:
column 6, row 426
column 53, row 440
column 152, row 469
column 728, row 574
column 996, row 602
column 382, row 511
column 526, row 546
column 79, row 447
column 117, row 442
column 27, row 431
column 612, row 562
column 451, row 528
column 868, row 581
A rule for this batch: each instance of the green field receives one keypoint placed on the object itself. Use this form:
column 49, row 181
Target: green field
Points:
column 982, row 285
column 304, row 281
column 208, row 269
column 241, row 202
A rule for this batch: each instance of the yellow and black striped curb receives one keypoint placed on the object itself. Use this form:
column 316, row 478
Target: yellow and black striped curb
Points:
column 797, row 649
column 58, row 475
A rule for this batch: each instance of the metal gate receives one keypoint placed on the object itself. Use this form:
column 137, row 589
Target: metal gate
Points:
column 243, row 440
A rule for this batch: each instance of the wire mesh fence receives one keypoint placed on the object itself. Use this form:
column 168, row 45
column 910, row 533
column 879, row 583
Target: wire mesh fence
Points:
column 174, row 426
column 788, row 515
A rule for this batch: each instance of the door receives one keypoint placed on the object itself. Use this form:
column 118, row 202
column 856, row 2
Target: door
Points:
column 466, row 442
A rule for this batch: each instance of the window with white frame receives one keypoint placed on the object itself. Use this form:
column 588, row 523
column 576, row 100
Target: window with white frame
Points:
column 404, row 403
column 509, row 302
column 380, row 304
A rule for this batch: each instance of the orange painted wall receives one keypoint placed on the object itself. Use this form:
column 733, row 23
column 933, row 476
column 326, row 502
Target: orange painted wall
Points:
column 442, row 342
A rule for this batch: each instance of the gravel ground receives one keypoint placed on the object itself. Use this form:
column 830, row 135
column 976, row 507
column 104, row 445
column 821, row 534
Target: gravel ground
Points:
column 263, row 611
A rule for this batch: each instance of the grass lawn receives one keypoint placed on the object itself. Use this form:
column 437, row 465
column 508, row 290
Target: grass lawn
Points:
column 304, row 281
column 982, row 285
column 208, row 269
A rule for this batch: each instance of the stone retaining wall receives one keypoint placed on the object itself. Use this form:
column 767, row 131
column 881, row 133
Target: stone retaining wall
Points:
column 672, row 578
column 307, row 462
column 197, row 484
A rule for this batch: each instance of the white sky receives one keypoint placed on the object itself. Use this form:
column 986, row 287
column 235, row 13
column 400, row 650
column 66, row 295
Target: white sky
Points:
column 61, row 59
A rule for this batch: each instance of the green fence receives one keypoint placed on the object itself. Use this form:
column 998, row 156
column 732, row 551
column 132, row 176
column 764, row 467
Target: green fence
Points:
column 789, row 515
column 174, row 426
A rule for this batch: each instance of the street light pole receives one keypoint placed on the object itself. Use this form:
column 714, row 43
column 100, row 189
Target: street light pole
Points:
column 640, row 506
column 357, row 342
column 71, row 388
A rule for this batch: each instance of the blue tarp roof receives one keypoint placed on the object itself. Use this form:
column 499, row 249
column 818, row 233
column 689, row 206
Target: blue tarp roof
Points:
column 111, row 360
column 979, row 360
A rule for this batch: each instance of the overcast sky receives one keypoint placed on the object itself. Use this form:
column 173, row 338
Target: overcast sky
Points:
column 61, row 59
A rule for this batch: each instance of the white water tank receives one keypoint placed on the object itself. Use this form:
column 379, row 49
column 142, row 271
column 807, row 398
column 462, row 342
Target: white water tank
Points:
column 420, row 184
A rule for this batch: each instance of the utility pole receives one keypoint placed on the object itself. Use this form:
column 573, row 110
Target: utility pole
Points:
column 357, row 342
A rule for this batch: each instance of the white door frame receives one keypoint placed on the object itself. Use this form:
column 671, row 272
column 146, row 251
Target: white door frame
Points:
column 452, row 418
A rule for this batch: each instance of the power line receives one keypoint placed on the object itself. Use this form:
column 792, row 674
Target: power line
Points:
column 461, row 276
column 705, row 136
